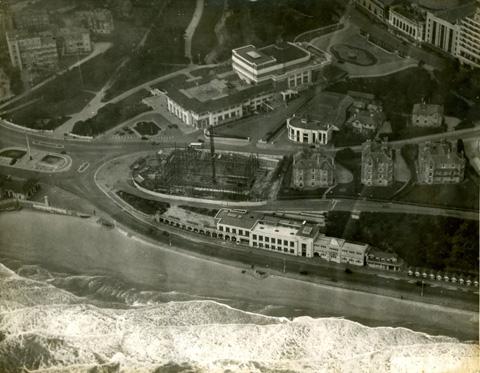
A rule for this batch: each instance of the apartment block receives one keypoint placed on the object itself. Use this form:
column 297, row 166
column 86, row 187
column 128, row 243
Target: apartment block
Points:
column 439, row 163
column 377, row 163
column 29, row 50
column 312, row 169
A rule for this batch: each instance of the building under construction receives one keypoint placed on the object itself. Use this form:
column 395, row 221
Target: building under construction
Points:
column 199, row 173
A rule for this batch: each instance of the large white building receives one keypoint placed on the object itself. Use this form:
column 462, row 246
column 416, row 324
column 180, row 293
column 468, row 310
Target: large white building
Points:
column 306, row 130
column 283, row 235
column 260, row 79
column 340, row 251
column 468, row 46
column 377, row 8
column 409, row 20
column 287, row 236
column 278, row 62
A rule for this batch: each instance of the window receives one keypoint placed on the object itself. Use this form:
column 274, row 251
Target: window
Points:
column 292, row 251
column 234, row 230
column 292, row 244
column 221, row 228
column 267, row 239
column 254, row 236
column 227, row 229
column 285, row 242
column 260, row 238
column 267, row 246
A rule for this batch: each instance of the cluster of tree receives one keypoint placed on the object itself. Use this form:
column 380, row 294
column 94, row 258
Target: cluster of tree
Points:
column 108, row 117
column 436, row 242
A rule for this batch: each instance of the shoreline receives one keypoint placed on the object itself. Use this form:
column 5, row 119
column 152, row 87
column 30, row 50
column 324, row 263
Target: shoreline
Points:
column 140, row 261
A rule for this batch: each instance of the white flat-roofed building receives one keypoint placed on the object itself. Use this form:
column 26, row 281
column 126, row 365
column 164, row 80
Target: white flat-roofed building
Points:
column 468, row 45
column 278, row 62
column 288, row 236
column 306, row 130
column 409, row 20
column 325, row 113
column 292, row 237
column 339, row 250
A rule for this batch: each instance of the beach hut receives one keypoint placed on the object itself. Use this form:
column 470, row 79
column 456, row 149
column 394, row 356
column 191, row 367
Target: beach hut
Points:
column 417, row 272
column 431, row 275
column 475, row 282
column 453, row 278
column 424, row 273
column 446, row 277
column 468, row 281
column 461, row 281
column 439, row 276
column 410, row 272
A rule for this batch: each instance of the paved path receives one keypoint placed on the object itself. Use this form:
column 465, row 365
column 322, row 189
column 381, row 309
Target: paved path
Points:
column 190, row 31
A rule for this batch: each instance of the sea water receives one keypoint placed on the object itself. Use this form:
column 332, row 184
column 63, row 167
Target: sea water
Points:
column 60, row 322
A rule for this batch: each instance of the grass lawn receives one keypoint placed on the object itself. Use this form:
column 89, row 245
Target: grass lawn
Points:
column 147, row 128
column 13, row 153
column 200, row 210
column 144, row 205
column 112, row 115
column 464, row 195
column 435, row 242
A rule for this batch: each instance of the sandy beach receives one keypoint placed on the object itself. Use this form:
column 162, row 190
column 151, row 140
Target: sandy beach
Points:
column 83, row 246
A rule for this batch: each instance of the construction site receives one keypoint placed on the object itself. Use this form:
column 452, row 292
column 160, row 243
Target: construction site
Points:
column 200, row 173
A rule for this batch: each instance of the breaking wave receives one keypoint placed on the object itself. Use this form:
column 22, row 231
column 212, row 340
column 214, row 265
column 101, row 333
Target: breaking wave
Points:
column 53, row 322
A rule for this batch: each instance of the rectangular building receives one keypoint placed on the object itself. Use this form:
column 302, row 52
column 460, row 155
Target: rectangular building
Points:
column 377, row 163
column 312, row 169
column 377, row 8
column 29, row 50
column 74, row 40
column 383, row 260
column 427, row 115
column 468, row 45
column 98, row 21
column 278, row 62
column 439, row 163
column 282, row 235
column 340, row 251
column 408, row 20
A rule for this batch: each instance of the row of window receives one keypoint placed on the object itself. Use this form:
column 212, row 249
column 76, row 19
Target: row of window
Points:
column 273, row 247
column 241, row 232
column 273, row 240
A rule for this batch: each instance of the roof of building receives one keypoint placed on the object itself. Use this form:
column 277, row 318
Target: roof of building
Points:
column 308, row 160
column 278, row 53
column 377, row 152
column 208, row 94
column 427, row 109
column 361, row 95
column 358, row 247
column 286, row 227
column 72, row 31
column 239, row 218
column 326, row 107
column 368, row 118
column 454, row 14
column 382, row 254
column 441, row 153
column 309, row 123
